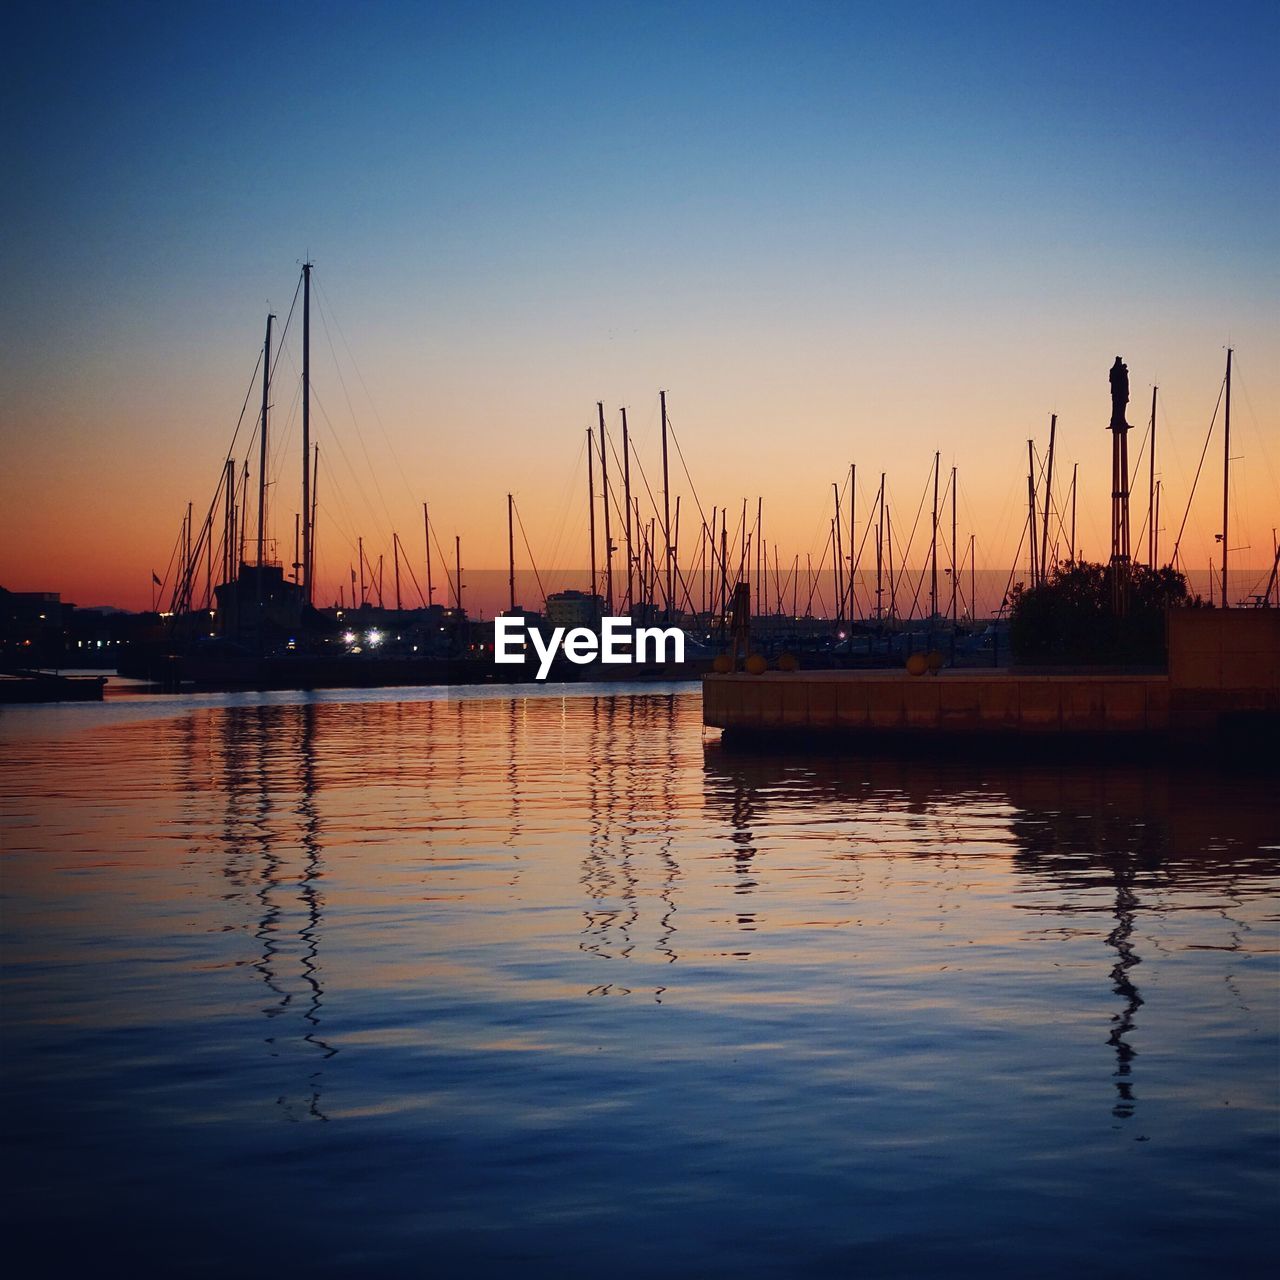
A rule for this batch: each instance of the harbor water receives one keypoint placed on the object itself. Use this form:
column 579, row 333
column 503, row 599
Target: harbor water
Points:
column 550, row 982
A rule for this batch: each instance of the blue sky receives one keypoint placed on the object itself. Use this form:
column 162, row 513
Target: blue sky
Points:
column 522, row 205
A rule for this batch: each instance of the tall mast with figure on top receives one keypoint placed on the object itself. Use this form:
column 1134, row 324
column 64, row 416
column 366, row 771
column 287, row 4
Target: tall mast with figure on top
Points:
column 1119, row 429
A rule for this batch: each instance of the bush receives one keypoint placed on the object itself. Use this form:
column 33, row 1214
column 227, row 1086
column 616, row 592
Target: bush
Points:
column 1069, row 618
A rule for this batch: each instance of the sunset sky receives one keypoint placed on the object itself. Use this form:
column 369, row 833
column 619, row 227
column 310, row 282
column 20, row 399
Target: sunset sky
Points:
column 832, row 232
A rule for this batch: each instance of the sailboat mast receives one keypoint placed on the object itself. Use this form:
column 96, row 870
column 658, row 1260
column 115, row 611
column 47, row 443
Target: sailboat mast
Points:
column 229, row 522
column 426, row 530
column 591, row 508
column 973, row 577
column 457, row 568
column 666, row 505
column 306, row 433
column 311, row 527
column 724, row 569
column 608, row 537
column 880, row 553
column 853, row 551
column 1151, row 486
column 511, row 555
column 626, row 495
column 1226, row 482
column 893, row 585
column 1155, row 551
column 244, row 516
column 675, row 545
column 955, row 582
column 762, row 552
column 395, row 555
column 1048, row 495
column 837, row 550
column 262, row 452
column 1031, row 509
column 1075, row 474
column 933, row 542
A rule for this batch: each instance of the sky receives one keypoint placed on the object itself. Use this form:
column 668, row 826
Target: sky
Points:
column 833, row 233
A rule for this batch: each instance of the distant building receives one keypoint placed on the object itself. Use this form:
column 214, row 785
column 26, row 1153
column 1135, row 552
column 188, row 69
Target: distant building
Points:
column 32, row 625
column 574, row 609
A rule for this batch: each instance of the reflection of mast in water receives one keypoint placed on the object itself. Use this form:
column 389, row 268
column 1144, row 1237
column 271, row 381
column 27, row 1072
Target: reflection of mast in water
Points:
column 515, row 712
column 597, row 876
column 311, row 896
column 629, row 790
column 250, row 842
column 1123, row 1022
column 742, row 819
column 625, row 868
column 269, row 881
column 671, row 868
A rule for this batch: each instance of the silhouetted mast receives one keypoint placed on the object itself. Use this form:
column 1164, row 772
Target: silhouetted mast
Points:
column 666, row 505
column 724, row 568
column 306, row 434
column 1048, row 496
column 711, row 563
column 1275, row 570
column 1226, row 482
column 955, row 568
column 511, row 554
column 762, row 551
column 591, row 508
column 188, row 564
column 933, row 542
column 244, row 515
column 457, row 564
column 1151, row 486
column 973, row 578
column 1156, row 519
column 626, row 494
column 853, row 542
column 426, row 529
column 675, row 545
column 1075, row 472
column 311, row 545
column 608, row 537
column 262, row 452
column 893, row 584
column 229, row 532
column 838, row 551
column 880, row 553
column 1031, row 508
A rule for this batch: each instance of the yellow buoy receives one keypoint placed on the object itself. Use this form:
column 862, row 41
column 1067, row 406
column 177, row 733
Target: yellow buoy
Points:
column 757, row 664
column 722, row 664
column 935, row 660
column 788, row 662
column 917, row 664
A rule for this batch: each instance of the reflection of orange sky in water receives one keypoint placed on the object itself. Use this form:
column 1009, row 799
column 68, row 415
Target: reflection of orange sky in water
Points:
column 311, row 869
column 431, row 828
column 94, row 488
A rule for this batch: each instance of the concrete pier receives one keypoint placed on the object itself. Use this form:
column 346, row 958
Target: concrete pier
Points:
column 1224, row 673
